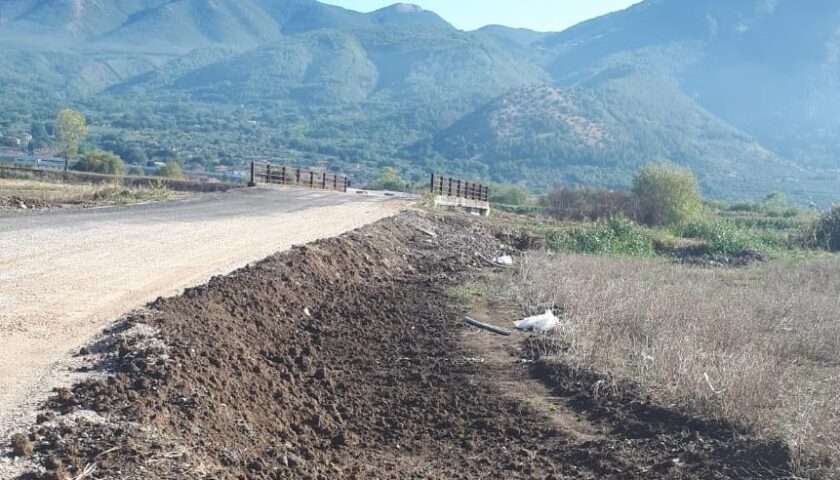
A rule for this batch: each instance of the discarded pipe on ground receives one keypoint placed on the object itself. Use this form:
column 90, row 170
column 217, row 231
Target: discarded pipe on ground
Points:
column 487, row 326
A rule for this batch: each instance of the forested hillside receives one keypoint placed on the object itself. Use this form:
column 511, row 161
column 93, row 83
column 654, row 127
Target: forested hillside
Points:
column 742, row 91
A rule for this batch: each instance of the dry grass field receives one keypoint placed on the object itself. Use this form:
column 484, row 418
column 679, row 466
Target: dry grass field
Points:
column 759, row 346
column 35, row 193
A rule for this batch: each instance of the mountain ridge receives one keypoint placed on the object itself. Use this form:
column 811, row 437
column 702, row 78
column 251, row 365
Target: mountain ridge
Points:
column 712, row 85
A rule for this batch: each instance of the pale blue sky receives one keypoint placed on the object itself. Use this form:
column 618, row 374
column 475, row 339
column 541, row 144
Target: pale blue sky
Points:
column 543, row 15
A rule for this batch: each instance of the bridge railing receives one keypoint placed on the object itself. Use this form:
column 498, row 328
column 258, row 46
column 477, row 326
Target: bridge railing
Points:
column 455, row 187
column 266, row 173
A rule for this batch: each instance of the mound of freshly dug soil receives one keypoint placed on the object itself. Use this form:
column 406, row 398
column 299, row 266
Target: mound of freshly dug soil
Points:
column 340, row 359
column 16, row 202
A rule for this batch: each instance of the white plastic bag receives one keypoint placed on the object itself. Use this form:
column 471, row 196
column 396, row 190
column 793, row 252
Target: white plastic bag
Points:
column 506, row 260
column 539, row 323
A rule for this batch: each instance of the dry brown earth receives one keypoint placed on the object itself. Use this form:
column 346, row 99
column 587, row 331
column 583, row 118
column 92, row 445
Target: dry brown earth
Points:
column 66, row 275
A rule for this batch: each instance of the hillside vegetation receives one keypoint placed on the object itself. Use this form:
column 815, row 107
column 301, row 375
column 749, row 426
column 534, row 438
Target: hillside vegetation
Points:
column 712, row 85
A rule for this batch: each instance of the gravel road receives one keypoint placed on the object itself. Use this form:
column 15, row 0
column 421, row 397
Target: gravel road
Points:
column 65, row 275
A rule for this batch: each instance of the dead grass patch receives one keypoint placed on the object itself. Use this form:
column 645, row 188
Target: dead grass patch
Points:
column 44, row 193
column 759, row 346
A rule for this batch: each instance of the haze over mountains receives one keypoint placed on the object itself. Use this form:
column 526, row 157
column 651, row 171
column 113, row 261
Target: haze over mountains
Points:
column 742, row 91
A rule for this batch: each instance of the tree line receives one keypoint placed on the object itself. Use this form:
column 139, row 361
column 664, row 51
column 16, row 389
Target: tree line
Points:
column 70, row 131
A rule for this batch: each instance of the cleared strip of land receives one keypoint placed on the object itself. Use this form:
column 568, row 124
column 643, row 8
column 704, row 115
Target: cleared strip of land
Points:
column 66, row 275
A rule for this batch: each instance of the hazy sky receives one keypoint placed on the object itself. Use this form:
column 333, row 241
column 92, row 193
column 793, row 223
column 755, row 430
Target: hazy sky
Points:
column 544, row 15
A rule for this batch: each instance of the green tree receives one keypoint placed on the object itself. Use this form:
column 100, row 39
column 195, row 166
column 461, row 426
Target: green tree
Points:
column 70, row 129
column 135, row 155
column 98, row 161
column 170, row 170
column 668, row 195
column 40, row 138
column 509, row 195
column 387, row 180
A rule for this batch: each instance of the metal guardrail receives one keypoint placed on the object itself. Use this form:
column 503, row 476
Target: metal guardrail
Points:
column 455, row 187
column 267, row 173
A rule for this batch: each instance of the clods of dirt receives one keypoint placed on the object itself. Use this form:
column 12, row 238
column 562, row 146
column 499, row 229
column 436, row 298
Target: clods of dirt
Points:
column 22, row 445
column 20, row 203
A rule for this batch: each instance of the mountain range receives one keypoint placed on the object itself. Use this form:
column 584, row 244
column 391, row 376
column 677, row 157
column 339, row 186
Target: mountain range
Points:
column 742, row 91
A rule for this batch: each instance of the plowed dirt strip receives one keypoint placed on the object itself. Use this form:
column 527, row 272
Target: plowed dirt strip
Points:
column 345, row 359
column 64, row 276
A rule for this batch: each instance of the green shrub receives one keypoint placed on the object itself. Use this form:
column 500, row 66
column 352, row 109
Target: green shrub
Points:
column 509, row 195
column 791, row 212
column 667, row 195
column 770, row 223
column 388, row 180
column 99, row 161
column 727, row 238
column 616, row 236
column 825, row 232
column 510, row 198
column 745, row 207
column 170, row 170
column 518, row 209
column 772, row 207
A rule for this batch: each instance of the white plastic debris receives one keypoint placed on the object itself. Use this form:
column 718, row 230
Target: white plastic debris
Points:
column 539, row 323
column 504, row 260
column 306, row 312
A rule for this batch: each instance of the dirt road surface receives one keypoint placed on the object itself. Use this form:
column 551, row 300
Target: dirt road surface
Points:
column 66, row 275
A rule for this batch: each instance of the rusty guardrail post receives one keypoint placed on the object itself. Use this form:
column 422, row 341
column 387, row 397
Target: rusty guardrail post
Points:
column 253, row 182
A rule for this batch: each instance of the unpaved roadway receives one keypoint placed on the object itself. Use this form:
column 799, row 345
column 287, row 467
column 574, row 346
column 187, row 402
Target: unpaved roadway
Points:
column 65, row 275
